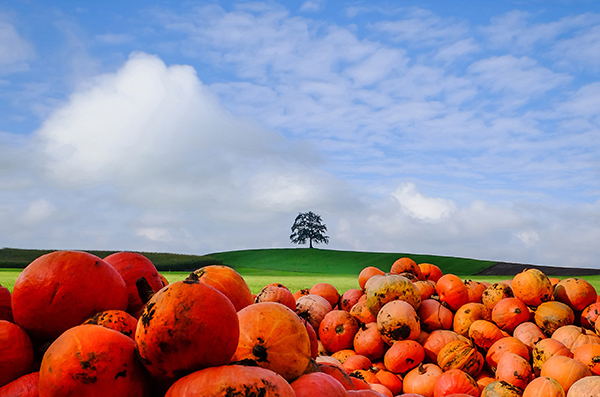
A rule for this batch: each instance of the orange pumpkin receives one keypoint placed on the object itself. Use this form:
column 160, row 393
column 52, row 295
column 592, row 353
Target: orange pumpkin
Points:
column 384, row 289
column 452, row 291
column 274, row 293
column 361, row 312
column 62, row 289
column 403, row 356
column 349, row 298
column 327, row 291
column 461, row 355
column 575, row 292
column 434, row 315
column 514, row 369
column 485, row 333
column 544, row 387
column 495, row 293
column 118, row 320
column 398, row 320
column 90, row 360
column 572, row 336
column 430, row 271
column 274, row 337
column 368, row 342
column 544, row 349
column 475, row 290
column 455, row 381
column 426, row 288
column 501, row 388
column 590, row 356
column 229, row 282
column 231, row 380
column 318, row 383
column 16, row 352
column 437, row 340
column 565, row 370
column 510, row 312
column 532, row 286
column 506, row 344
column 313, row 308
column 406, row 265
column 337, row 330
column 356, row 362
column 366, row 273
column 343, row 355
column 186, row 326
column 589, row 315
column 132, row 266
column 467, row 314
column 421, row 380
column 552, row 315
column 5, row 304
column 390, row 380
column 529, row 333
column 337, row 372
column 25, row 386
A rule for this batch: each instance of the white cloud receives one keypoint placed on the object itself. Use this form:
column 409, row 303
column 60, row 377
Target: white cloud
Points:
column 421, row 207
column 38, row 211
column 15, row 51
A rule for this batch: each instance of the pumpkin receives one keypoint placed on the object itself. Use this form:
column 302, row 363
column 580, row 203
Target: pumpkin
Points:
column 90, row 360
column 366, row 273
column 274, row 337
column 381, row 389
column 186, row 326
column 514, row 369
column 16, row 352
column 368, row 375
column 584, row 387
column 403, row 356
column 426, row 288
column 337, row 330
column 228, row 281
column 510, row 312
column 337, row 372
column 485, row 333
column 364, row 393
column 532, row 286
column 475, row 289
column 501, row 388
column 550, row 316
column 327, row 291
column 434, row 342
column 301, row 292
column 25, row 386
column 356, row 362
column 398, row 320
column 274, row 293
column 343, row 355
column 430, row 271
column 390, row 380
column 421, row 380
column 575, row 292
column 467, row 314
column 349, row 298
column 461, row 355
column 361, row 312
column 565, row 370
column 231, row 380
column 313, row 308
column 544, row 387
column 368, row 342
column 434, row 315
column 119, row 320
column 495, row 293
column 62, row 289
column 484, row 378
column 315, row 343
column 590, row 356
column 388, row 288
column 506, row 344
column 318, row 383
column 5, row 304
column 132, row 266
column 589, row 315
column 529, row 333
column 452, row 291
column 406, row 265
column 572, row 336
column 455, row 381
column 544, row 349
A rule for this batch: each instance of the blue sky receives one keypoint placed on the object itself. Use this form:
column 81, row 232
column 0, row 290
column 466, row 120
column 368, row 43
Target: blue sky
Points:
column 458, row 128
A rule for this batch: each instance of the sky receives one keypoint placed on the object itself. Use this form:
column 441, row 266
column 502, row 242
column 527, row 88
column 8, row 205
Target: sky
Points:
column 463, row 128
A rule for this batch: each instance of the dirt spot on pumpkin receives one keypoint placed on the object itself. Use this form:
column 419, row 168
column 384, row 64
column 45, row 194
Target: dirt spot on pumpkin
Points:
column 148, row 313
column 122, row 374
column 246, row 391
column 399, row 333
column 84, row 378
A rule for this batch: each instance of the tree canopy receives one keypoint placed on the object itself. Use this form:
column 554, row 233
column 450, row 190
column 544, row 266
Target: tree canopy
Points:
column 308, row 226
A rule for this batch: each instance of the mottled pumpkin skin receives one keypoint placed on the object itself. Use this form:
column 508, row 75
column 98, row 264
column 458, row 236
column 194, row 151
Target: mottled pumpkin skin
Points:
column 532, row 286
column 16, row 352
column 275, row 338
column 460, row 355
column 231, row 380
column 62, row 289
column 117, row 320
column 384, row 289
column 229, row 282
column 132, row 266
column 91, row 360
column 186, row 326
column 25, row 386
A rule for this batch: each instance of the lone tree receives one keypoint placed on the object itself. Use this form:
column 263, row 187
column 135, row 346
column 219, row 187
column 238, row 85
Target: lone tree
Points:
column 308, row 226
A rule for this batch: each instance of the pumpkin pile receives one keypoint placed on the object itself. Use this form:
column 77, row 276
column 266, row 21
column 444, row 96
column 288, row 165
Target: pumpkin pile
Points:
column 79, row 325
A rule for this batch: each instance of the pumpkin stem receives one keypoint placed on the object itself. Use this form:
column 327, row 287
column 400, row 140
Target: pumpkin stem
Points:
column 144, row 289
column 260, row 352
column 192, row 278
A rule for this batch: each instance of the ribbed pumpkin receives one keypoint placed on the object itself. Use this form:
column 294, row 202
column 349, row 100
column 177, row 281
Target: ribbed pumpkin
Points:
column 434, row 315
column 274, row 293
column 544, row 349
column 532, row 286
column 460, row 355
column 16, row 352
column 186, row 326
column 90, row 360
column 550, row 316
column 318, row 383
column 436, row 340
column 62, row 289
column 313, row 308
column 5, row 304
column 467, row 314
column 452, row 291
column 565, row 370
column 274, row 337
column 573, row 336
column 575, row 292
column 421, row 380
column 132, row 266
column 229, row 282
column 455, row 381
column 337, row 330
column 391, row 287
column 25, row 386
column 544, row 387
column 514, row 369
column 368, row 342
column 119, row 320
column 398, row 320
column 231, row 380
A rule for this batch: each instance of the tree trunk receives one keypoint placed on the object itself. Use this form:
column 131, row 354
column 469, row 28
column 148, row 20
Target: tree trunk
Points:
column 310, row 243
